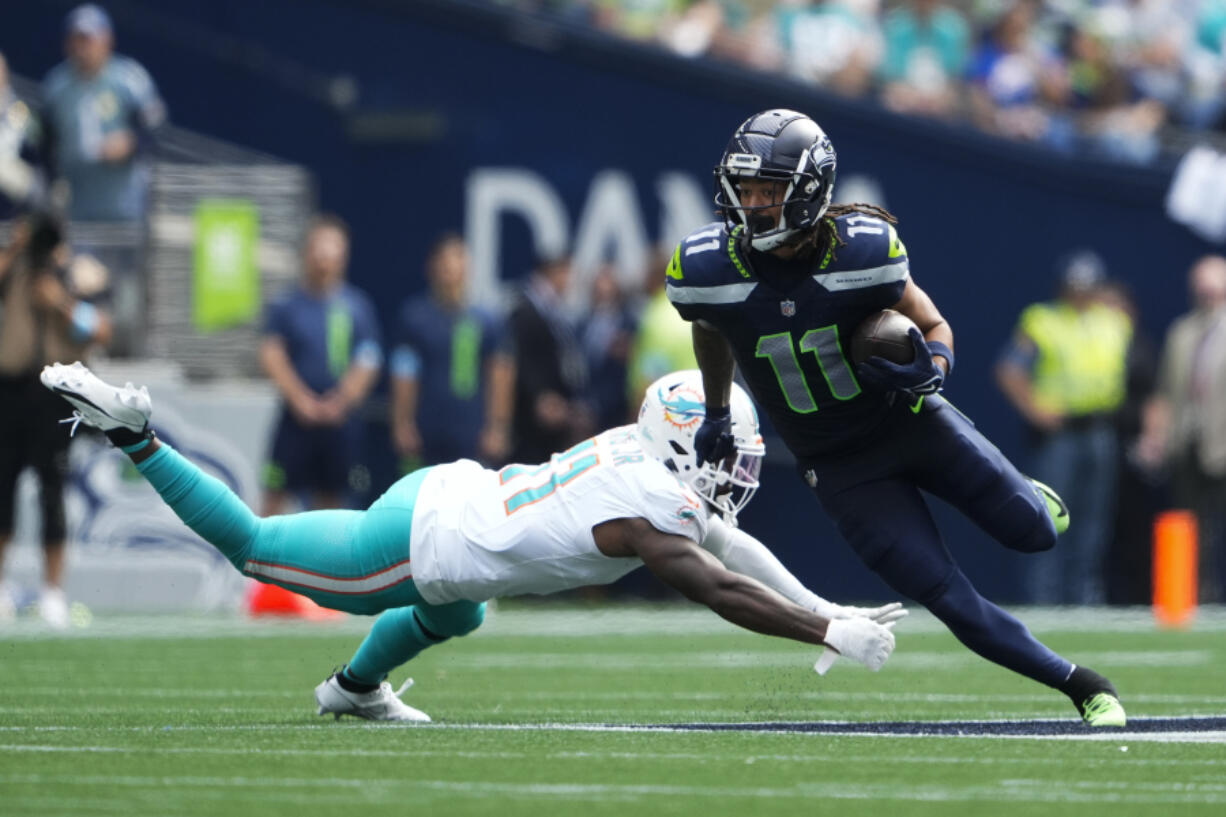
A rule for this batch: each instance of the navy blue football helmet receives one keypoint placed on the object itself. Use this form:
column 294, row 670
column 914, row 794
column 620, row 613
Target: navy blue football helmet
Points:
column 785, row 146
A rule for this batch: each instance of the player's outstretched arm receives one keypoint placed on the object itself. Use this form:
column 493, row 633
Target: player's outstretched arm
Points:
column 713, row 440
column 744, row 601
column 742, row 553
column 715, row 361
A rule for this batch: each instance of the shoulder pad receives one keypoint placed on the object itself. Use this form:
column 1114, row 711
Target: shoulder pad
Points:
column 705, row 257
column 868, row 241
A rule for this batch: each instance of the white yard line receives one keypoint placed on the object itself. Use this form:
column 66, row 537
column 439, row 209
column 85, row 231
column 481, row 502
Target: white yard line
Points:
column 578, row 695
column 611, row 619
column 702, row 757
column 1034, row 791
column 837, row 728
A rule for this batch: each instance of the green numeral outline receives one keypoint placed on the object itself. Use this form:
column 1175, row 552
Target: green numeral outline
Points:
column 824, row 343
column 778, row 349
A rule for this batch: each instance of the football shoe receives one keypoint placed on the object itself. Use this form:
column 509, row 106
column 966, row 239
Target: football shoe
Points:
column 98, row 403
column 1056, row 508
column 1095, row 698
column 381, row 704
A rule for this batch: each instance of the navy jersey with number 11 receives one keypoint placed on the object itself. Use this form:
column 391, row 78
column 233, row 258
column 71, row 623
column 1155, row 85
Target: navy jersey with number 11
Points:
column 789, row 323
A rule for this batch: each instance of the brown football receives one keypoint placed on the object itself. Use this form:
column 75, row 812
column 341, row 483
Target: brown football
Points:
column 883, row 334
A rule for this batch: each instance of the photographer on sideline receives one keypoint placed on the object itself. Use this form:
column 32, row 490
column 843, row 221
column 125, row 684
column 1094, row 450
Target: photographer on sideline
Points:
column 47, row 314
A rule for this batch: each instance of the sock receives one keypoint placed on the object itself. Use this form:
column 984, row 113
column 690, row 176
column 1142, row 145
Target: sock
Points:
column 1083, row 682
column 203, row 502
column 127, row 440
column 352, row 685
column 396, row 638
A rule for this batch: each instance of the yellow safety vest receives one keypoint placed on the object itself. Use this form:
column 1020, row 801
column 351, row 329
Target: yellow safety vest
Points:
column 1082, row 356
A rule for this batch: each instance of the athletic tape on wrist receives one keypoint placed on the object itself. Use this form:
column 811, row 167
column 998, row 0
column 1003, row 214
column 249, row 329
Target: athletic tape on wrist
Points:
column 938, row 348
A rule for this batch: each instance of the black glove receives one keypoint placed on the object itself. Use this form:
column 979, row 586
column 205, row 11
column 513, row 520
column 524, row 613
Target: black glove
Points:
column 922, row 376
column 713, row 440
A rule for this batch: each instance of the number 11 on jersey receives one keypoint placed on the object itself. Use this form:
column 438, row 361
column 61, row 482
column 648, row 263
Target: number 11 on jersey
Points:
column 824, row 344
column 541, row 481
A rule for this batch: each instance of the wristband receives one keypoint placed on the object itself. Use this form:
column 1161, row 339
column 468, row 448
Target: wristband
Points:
column 720, row 413
column 938, row 348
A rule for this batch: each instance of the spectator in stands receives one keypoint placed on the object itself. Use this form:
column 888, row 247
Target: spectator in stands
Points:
column 101, row 108
column 1185, row 423
column 927, row 45
column 1114, row 121
column 20, row 184
column 608, row 333
column 1018, row 86
column 1205, row 63
column 322, row 351
column 1065, row 372
column 451, row 372
column 100, row 111
column 833, row 43
column 49, row 312
column 721, row 29
column 1151, row 38
column 550, row 372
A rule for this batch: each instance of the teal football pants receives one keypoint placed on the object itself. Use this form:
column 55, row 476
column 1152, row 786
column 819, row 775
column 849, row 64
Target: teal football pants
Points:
column 355, row 561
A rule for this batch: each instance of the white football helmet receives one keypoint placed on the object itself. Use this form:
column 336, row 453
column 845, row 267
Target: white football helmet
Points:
column 672, row 411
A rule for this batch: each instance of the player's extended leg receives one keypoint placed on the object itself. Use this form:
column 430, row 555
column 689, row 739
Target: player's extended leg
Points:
column 398, row 636
column 905, row 548
column 344, row 560
column 356, row 561
column 349, row 560
column 977, row 479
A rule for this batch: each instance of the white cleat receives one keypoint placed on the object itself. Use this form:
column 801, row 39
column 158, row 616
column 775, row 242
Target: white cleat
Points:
column 98, row 403
column 53, row 608
column 380, row 705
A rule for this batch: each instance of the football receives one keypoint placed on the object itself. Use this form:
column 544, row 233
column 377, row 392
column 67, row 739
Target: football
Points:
column 883, row 334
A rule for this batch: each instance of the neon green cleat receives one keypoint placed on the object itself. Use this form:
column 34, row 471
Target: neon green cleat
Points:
column 1056, row 508
column 1103, row 709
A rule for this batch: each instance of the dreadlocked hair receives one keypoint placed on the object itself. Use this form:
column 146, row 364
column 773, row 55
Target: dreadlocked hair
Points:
column 825, row 239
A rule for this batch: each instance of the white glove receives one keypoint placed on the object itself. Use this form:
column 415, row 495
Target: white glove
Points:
column 885, row 614
column 860, row 639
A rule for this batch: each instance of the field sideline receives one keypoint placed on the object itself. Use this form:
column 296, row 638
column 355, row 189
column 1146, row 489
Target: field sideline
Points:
column 553, row 709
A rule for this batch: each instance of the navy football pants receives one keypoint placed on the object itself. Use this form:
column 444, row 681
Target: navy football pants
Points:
column 873, row 495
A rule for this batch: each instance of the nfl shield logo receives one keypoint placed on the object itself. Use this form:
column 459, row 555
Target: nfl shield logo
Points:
column 788, row 308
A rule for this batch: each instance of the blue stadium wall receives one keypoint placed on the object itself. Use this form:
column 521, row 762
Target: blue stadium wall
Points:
column 448, row 87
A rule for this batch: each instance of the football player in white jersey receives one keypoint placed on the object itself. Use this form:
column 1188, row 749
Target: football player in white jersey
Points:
column 442, row 540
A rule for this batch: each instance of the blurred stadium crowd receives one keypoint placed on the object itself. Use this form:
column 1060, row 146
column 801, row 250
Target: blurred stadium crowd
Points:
column 1112, row 78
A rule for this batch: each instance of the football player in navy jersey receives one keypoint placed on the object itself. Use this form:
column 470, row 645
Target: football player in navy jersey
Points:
column 776, row 288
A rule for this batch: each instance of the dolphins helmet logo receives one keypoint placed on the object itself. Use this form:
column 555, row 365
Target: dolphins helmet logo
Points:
column 683, row 407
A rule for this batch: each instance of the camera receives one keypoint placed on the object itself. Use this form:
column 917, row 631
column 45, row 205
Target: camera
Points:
column 46, row 233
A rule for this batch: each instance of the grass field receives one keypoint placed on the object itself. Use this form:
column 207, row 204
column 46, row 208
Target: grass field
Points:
column 180, row 716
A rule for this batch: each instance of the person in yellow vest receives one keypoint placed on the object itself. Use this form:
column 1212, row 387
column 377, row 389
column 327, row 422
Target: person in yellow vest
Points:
column 1065, row 371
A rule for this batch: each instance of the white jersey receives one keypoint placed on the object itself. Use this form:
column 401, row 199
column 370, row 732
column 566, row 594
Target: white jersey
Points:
column 479, row 534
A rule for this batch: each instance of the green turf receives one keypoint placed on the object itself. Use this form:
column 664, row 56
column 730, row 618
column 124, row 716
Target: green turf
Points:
column 205, row 718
